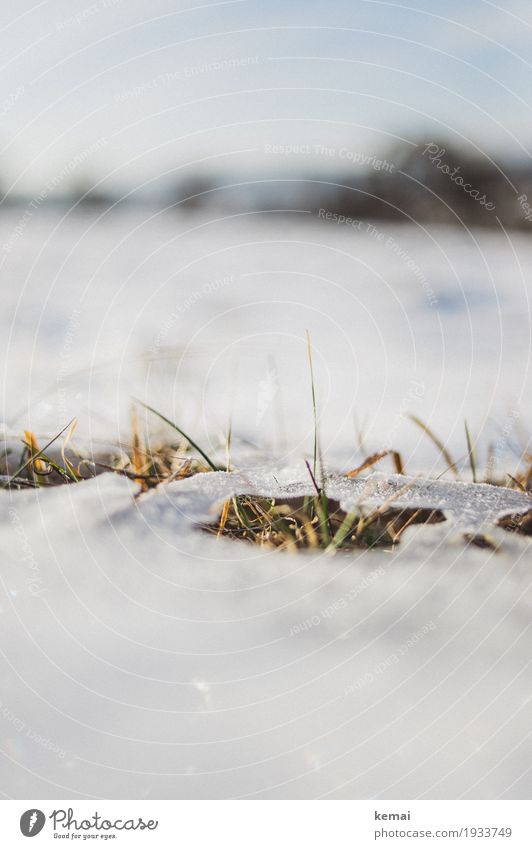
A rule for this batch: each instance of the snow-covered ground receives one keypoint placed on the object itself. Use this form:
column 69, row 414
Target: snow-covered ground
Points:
column 142, row 658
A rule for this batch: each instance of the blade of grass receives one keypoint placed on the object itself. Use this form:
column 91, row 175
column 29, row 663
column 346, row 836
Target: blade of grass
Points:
column 368, row 462
column 437, row 442
column 376, row 458
column 313, row 478
column 517, row 483
column 313, row 386
column 181, row 432
column 321, row 508
column 470, row 453
column 137, row 462
column 398, row 463
column 67, row 439
column 228, row 446
column 31, row 443
column 324, row 500
column 342, row 532
column 310, row 533
column 223, row 518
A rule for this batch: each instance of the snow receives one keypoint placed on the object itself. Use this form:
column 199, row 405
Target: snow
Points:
column 205, row 319
column 143, row 658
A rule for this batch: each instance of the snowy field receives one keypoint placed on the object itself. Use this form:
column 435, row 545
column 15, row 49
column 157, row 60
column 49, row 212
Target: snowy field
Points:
column 142, row 658
column 206, row 318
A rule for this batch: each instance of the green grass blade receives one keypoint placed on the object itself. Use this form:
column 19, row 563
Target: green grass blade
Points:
column 321, row 505
column 324, row 500
column 57, row 467
column 342, row 532
column 309, row 349
column 322, row 509
column 181, row 432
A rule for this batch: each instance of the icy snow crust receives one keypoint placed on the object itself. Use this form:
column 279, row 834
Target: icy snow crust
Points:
column 142, row 658
column 470, row 506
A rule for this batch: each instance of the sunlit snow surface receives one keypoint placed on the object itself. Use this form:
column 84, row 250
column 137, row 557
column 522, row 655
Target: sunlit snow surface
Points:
column 141, row 657
column 154, row 660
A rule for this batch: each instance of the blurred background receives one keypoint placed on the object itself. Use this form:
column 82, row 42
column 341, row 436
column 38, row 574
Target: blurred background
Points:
column 187, row 188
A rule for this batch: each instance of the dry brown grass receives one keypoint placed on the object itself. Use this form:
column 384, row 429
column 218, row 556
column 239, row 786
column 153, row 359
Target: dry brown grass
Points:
column 314, row 523
column 147, row 464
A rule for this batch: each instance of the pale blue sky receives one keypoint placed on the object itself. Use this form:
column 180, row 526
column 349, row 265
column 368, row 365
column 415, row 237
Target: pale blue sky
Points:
column 133, row 90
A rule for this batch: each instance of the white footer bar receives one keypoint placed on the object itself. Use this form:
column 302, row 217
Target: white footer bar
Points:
column 267, row 824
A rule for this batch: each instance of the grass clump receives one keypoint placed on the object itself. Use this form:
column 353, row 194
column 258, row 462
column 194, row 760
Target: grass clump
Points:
column 317, row 521
column 314, row 523
column 517, row 523
column 60, row 462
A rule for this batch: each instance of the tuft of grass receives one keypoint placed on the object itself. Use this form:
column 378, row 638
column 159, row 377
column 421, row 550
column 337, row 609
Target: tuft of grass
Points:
column 317, row 522
column 148, row 466
column 314, row 524
column 520, row 523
